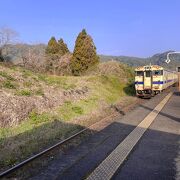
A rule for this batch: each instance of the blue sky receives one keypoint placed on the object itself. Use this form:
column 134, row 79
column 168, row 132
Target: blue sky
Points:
column 118, row 27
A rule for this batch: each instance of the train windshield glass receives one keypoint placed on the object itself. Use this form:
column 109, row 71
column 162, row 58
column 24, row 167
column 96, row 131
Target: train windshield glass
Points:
column 158, row 72
column 139, row 73
column 148, row 73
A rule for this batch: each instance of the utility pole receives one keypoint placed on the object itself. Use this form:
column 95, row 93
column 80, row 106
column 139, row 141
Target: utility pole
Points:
column 178, row 68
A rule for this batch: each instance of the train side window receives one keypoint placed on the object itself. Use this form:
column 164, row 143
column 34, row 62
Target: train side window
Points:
column 158, row 72
column 148, row 73
column 139, row 73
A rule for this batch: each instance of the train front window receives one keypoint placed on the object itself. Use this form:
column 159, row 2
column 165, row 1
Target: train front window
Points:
column 148, row 73
column 139, row 73
column 158, row 72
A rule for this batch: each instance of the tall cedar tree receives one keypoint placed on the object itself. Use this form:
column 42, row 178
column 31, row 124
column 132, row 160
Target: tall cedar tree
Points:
column 84, row 55
column 51, row 54
column 52, row 47
column 63, row 49
column 54, row 51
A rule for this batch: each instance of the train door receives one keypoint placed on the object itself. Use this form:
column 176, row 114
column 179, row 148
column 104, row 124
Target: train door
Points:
column 147, row 79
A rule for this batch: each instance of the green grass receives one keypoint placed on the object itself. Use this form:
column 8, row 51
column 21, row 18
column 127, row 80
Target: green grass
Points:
column 27, row 92
column 36, row 118
column 24, row 92
column 59, row 81
column 27, row 84
column 26, row 73
column 39, row 92
column 107, row 88
column 70, row 110
column 9, row 85
column 5, row 75
column 42, row 77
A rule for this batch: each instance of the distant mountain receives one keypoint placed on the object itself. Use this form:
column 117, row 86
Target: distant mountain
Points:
column 132, row 61
column 15, row 52
column 158, row 59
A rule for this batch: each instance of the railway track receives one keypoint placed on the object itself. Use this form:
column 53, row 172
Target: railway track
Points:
column 23, row 163
column 17, row 167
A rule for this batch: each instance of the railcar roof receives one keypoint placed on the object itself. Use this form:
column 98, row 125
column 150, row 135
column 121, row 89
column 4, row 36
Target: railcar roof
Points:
column 149, row 67
column 153, row 67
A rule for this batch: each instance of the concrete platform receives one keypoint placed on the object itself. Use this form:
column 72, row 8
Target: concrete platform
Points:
column 157, row 156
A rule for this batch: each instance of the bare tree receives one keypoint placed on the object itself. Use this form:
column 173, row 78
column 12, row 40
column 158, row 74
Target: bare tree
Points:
column 7, row 36
column 33, row 58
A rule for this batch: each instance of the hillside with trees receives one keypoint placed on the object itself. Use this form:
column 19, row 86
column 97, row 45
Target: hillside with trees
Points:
column 19, row 51
column 158, row 59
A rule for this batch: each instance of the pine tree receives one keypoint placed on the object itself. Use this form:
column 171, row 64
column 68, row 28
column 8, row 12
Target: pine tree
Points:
column 52, row 47
column 84, row 55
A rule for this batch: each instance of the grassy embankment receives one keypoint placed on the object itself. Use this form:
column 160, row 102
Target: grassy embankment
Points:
column 41, row 129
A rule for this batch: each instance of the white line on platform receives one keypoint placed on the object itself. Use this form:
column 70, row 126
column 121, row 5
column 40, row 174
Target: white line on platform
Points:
column 110, row 165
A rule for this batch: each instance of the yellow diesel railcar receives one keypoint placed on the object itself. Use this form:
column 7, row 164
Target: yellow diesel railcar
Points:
column 152, row 79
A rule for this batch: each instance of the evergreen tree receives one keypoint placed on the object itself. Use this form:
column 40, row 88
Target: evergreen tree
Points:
column 52, row 47
column 63, row 49
column 84, row 55
column 51, row 54
column 54, row 51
